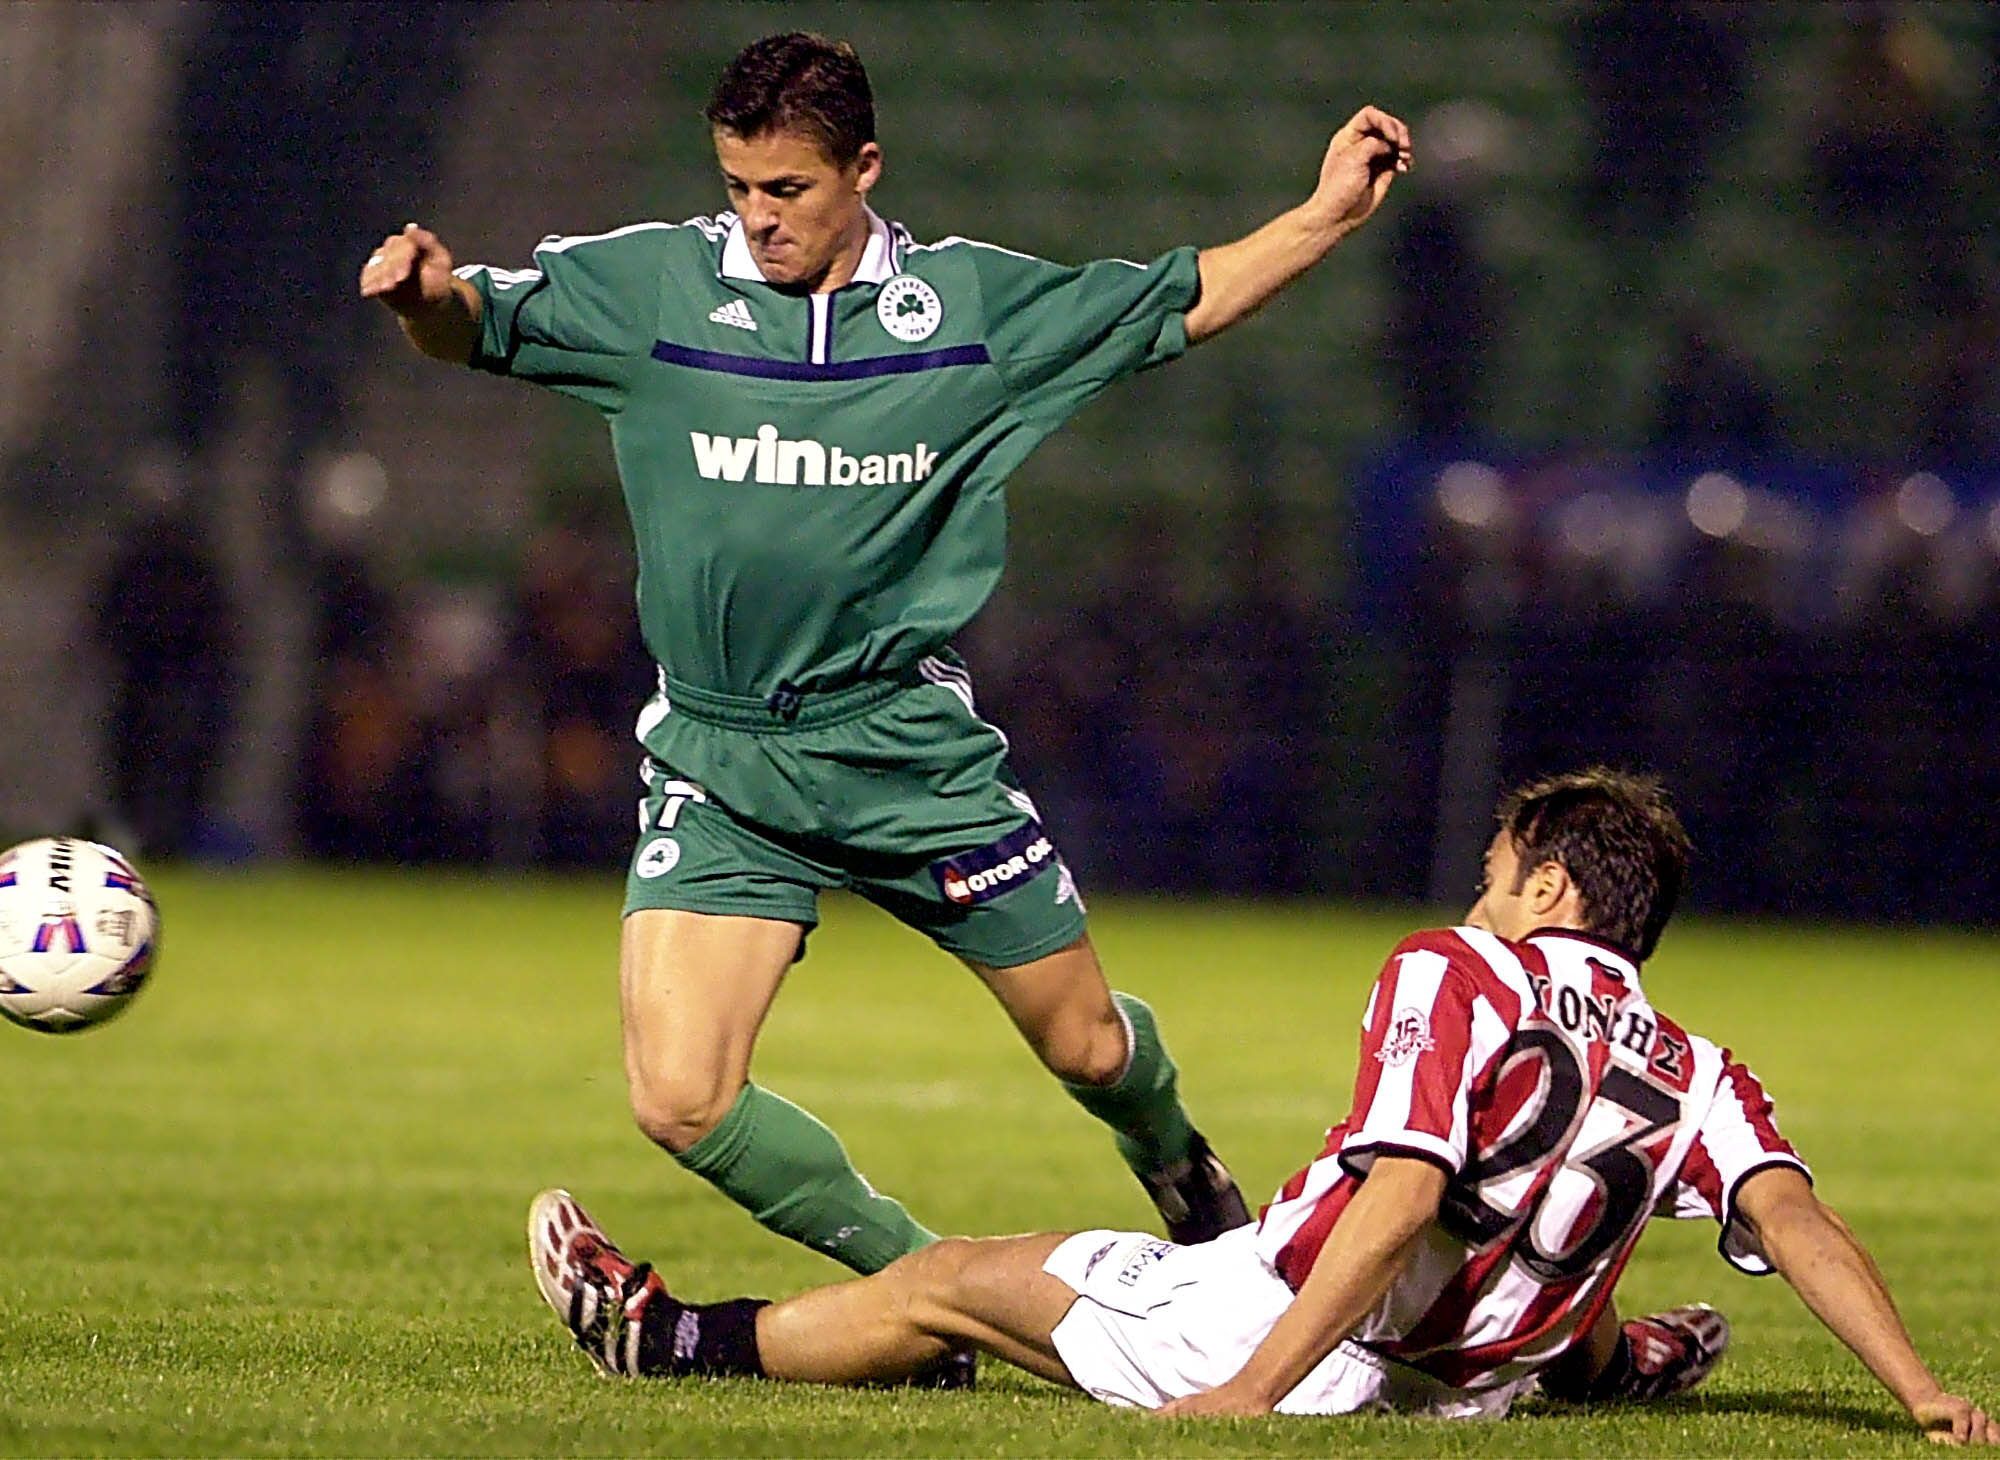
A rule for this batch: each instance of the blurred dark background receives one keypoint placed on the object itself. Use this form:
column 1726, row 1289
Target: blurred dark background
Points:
column 1653, row 422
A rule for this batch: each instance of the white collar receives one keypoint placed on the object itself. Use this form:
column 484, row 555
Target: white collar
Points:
column 878, row 256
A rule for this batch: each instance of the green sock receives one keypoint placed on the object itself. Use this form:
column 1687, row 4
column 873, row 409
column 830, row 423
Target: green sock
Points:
column 1143, row 1107
column 791, row 1174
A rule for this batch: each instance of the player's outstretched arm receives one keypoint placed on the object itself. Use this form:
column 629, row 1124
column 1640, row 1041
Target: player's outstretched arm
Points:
column 1836, row 1278
column 1364, row 1254
column 1361, row 162
column 411, row 273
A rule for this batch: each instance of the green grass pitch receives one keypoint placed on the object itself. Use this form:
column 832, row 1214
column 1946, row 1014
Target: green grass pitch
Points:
column 277, row 1207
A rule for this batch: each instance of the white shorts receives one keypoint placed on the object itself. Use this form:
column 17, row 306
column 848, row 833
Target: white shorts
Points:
column 1153, row 1322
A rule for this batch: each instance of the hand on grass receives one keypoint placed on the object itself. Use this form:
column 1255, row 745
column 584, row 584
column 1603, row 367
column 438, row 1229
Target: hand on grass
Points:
column 1225, row 1400
column 1950, row 1420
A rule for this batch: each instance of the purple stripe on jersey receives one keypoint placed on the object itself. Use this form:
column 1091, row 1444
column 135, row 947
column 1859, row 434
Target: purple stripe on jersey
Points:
column 672, row 354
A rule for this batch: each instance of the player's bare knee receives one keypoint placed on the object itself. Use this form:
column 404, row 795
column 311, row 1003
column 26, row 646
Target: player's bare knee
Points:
column 1088, row 1051
column 933, row 1279
column 677, row 1112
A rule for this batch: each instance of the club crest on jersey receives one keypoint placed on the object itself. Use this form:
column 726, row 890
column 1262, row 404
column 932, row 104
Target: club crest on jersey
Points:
column 909, row 308
column 1409, row 1036
column 983, row 874
column 658, row 857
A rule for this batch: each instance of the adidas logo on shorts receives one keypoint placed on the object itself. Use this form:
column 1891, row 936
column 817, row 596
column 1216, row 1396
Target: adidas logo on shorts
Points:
column 736, row 313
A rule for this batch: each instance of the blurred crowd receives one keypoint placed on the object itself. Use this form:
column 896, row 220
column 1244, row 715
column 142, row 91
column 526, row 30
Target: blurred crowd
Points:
column 1815, row 670
column 1815, row 665
column 446, row 721
column 1783, row 592
column 1889, row 155
column 462, row 724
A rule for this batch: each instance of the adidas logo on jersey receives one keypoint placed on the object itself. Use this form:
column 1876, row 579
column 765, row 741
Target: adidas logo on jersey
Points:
column 737, row 313
column 769, row 458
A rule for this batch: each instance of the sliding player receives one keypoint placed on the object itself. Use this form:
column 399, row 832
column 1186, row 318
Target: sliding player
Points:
column 1520, row 1110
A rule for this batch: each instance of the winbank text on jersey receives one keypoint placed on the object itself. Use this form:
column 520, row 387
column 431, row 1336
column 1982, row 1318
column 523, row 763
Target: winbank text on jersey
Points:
column 769, row 458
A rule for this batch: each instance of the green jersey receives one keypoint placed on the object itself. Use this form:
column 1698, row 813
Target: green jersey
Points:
column 815, row 481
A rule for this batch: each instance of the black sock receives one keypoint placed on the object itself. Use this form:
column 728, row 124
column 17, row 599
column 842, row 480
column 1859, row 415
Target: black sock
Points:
column 712, row 1339
column 1612, row 1379
column 1560, row 1382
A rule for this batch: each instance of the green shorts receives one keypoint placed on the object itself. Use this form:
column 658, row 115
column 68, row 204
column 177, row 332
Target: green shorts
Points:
column 894, row 788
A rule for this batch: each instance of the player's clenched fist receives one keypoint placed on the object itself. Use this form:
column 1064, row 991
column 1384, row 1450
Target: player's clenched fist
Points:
column 1361, row 162
column 410, row 271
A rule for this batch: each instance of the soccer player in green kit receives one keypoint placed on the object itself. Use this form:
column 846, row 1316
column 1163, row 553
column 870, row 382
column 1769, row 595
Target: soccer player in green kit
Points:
column 814, row 416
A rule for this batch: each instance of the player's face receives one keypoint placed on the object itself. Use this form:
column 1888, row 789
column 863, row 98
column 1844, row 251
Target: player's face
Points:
column 804, row 215
column 1504, row 906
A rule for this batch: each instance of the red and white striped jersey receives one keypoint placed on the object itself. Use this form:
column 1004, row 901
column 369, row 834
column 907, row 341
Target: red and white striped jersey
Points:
column 1565, row 1109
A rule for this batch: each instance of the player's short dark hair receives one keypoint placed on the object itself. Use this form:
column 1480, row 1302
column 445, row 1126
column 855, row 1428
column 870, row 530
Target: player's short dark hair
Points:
column 1618, row 838
column 800, row 82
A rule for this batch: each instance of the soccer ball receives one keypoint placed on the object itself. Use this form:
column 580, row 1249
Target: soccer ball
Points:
column 77, row 934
